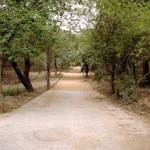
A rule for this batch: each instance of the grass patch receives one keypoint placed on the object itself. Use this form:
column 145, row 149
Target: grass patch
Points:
column 13, row 91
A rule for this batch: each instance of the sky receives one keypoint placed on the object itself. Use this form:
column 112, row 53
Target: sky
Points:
column 78, row 19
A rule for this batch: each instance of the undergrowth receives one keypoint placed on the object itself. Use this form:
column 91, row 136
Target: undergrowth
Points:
column 13, row 91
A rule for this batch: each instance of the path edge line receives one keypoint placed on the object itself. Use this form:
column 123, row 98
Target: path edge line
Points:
column 56, row 81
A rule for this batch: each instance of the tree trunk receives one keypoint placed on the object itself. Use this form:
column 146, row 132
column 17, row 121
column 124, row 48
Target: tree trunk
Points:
column 39, row 68
column 24, row 78
column 113, row 79
column 86, row 69
column 1, row 80
column 1, row 60
column 146, row 71
column 123, row 66
column 48, row 56
column 45, row 69
column 55, row 64
column 134, row 72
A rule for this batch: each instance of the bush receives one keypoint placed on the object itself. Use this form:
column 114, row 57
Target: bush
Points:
column 125, row 87
column 100, row 74
column 13, row 92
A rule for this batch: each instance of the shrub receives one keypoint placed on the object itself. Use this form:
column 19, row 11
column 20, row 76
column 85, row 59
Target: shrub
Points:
column 125, row 87
column 13, row 92
column 100, row 74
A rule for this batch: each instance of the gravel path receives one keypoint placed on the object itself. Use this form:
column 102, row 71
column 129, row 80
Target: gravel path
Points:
column 72, row 116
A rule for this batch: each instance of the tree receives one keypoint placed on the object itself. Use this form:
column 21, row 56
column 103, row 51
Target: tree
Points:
column 23, row 20
column 15, row 21
column 116, row 31
column 1, row 60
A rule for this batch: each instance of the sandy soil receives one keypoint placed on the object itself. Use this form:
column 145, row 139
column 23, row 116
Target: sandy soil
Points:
column 72, row 116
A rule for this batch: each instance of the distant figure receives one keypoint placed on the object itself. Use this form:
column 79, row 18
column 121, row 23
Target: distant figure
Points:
column 85, row 68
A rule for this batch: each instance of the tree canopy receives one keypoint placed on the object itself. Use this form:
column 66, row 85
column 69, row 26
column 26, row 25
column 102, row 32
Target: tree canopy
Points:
column 113, row 33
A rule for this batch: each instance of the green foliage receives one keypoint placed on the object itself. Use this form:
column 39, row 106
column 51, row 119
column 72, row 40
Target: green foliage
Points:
column 100, row 74
column 18, row 31
column 13, row 91
column 119, row 37
column 117, row 33
column 65, row 48
column 125, row 87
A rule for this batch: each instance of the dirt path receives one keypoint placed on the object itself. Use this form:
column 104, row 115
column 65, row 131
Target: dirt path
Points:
column 72, row 116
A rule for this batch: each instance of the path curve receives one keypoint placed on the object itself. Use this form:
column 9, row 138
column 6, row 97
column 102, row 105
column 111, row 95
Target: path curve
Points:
column 72, row 116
